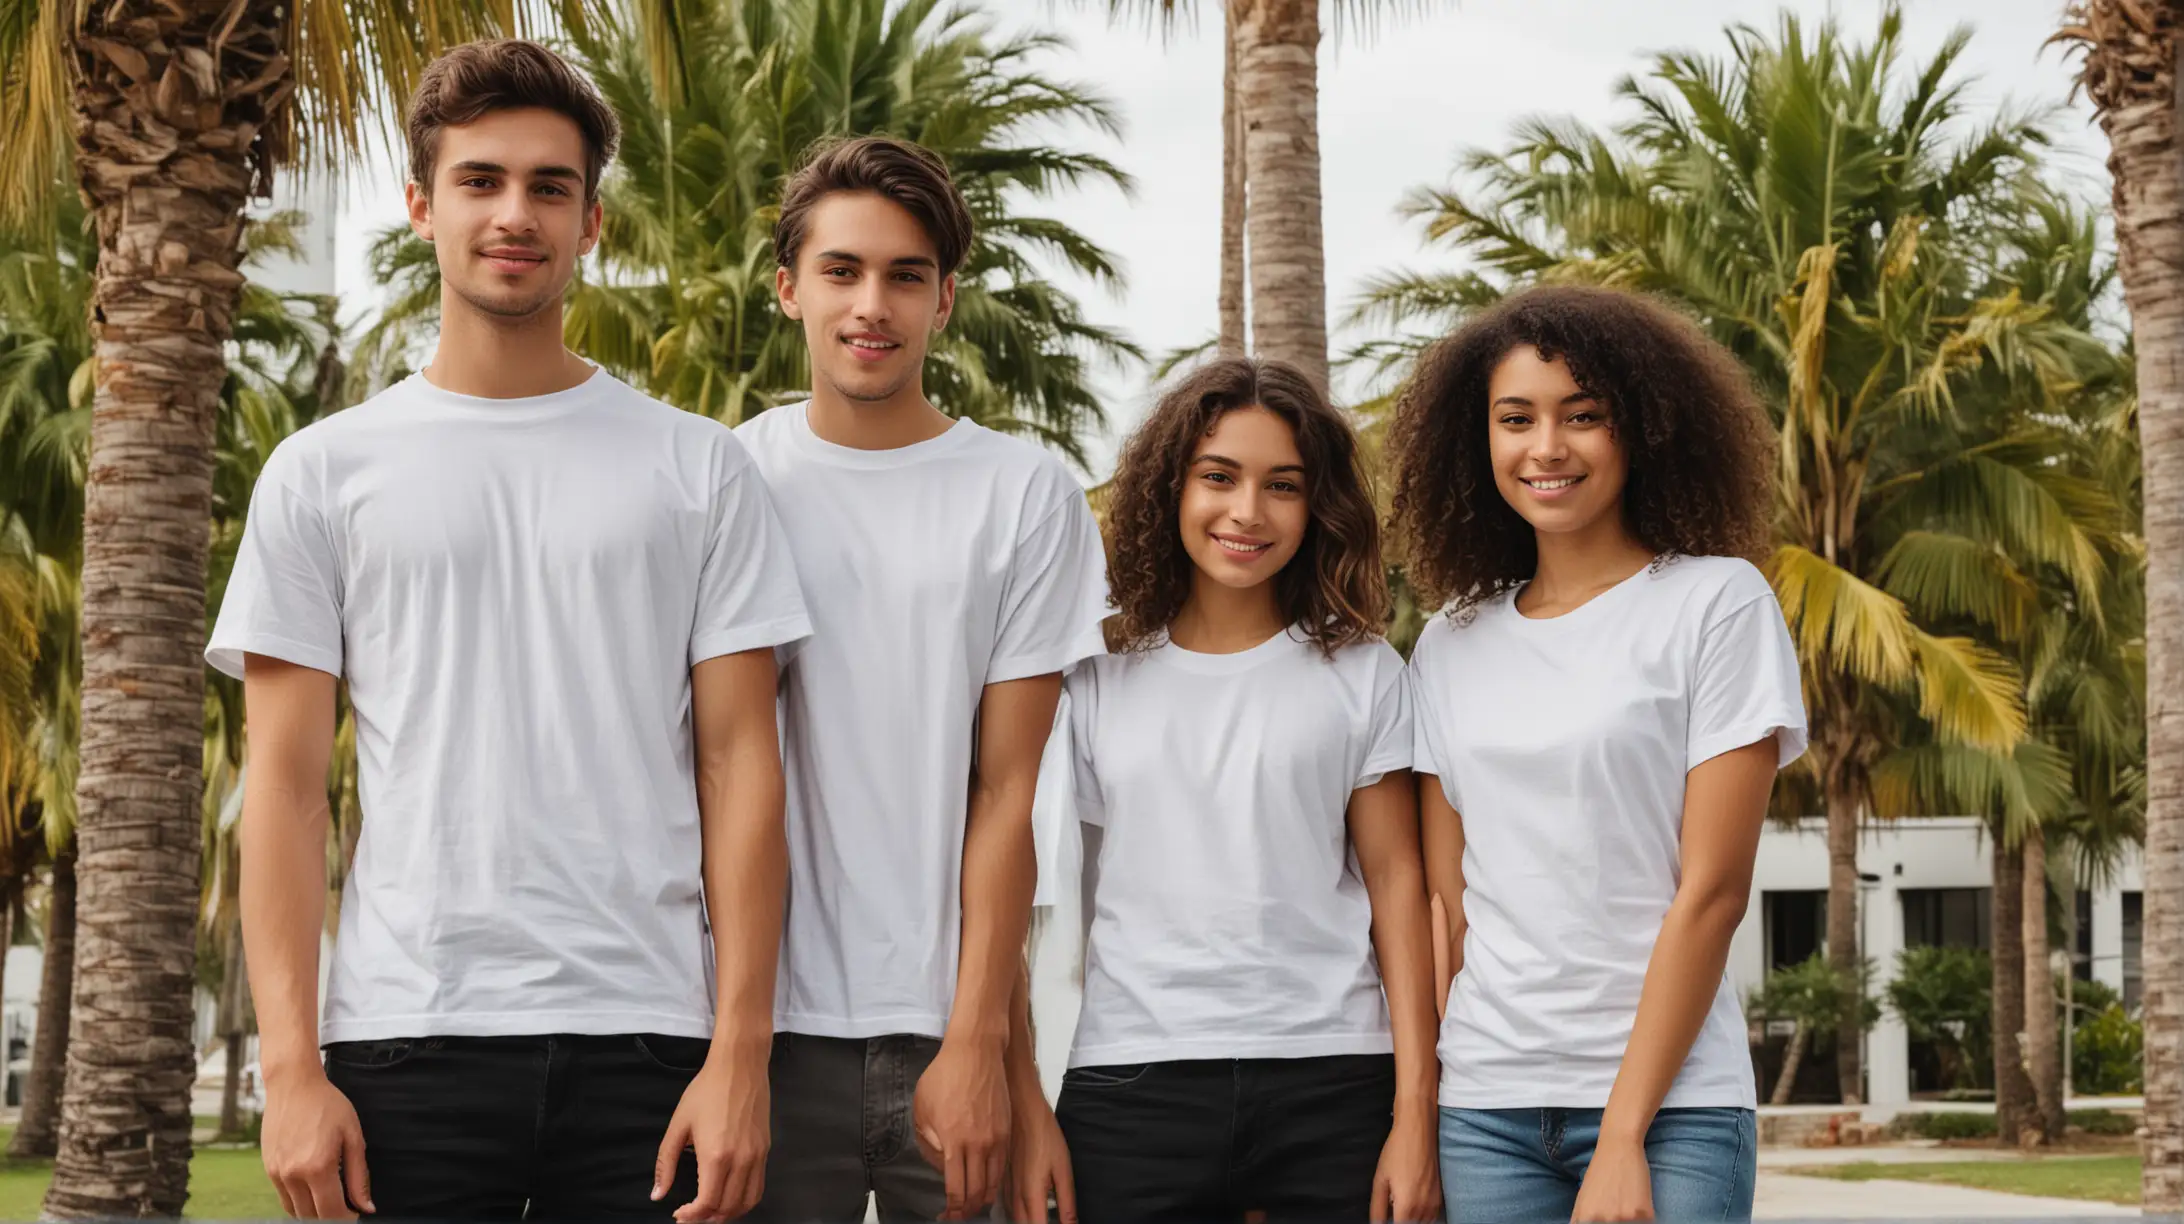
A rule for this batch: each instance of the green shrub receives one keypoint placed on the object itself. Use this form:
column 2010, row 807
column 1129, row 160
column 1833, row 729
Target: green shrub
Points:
column 2105, row 1053
column 1946, row 1125
column 1945, row 997
column 2103, row 1122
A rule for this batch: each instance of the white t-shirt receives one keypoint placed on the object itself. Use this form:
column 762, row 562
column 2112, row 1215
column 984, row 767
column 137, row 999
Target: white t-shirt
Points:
column 932, row 570
column 1229, row 918
column 1565, row 743
column 516, row 591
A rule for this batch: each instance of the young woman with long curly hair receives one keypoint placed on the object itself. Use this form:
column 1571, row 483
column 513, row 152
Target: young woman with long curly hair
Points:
column 1257, row 1026
column 1583, row 480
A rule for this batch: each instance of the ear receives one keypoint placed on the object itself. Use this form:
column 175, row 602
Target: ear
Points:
column 947, row 301
column 785, row 291
column 594, row 216
column 418, row 202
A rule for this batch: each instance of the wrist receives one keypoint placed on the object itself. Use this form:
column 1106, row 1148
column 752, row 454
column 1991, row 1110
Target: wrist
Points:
column 1622, row 1133
column 283, row 1072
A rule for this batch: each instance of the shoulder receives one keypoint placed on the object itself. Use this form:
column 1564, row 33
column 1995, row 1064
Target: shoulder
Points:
column 1711, row 587
column 1016, row 463
column 1451, row 635
column 768, row 436
column 1371, row 656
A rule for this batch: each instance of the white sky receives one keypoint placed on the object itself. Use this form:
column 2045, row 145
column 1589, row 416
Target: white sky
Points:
column 1395, row 111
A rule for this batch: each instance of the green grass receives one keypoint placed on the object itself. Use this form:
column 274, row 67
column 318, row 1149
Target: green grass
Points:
column 2100, row 1179
column 224, row 1185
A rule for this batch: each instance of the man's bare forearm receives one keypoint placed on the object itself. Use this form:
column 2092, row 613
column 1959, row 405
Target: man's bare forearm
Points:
column 283, row 886
column 746, row 879
column 1023, row 1054
column 999, row 874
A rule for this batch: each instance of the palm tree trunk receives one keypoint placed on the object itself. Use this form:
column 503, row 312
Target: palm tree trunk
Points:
column 1231, row 343
column 2043, row 1034
column 2013, row 1095
column 1843, row 811
column 1277, row 81
column 1793, row 1060
column 2131, row 76
column 38, row 1134
column 176, row 107
column 235, row 1027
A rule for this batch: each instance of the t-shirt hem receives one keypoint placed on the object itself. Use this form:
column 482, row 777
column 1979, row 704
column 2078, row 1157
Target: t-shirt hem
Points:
column 513, row 1024
column 916, row 1024
column 1786, row 726
column 226, row 653
column 782, row 631
column 1318, row 1045
column 1716, row 1096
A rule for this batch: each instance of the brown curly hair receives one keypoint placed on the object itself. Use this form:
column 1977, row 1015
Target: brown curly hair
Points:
column 1334, row 588
column 1700, row 446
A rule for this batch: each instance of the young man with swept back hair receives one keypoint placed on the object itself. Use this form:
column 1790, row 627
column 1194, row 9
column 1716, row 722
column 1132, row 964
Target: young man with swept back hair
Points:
column 953, row 573
column 555, row 603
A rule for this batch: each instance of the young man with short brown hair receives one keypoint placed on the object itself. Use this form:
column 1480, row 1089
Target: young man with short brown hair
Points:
column 555, row 603
column 953, row 572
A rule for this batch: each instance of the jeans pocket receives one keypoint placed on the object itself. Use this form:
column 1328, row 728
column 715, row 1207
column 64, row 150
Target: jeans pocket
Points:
column 1119, row 1075
column 682, row 1055
column 372, row 1055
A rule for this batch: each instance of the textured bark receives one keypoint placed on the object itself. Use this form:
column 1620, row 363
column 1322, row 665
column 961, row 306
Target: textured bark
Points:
column 1277, row 79
column 2130, row 76
column 1844, row 806
column 2043, row 1033
column 1793, row 1060
column 174, row 101
column 2014, row 1107
column 1231, row 343
column 38, row 1134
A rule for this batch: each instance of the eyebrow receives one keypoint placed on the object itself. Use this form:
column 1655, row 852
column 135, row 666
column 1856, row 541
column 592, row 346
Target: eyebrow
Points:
column 486, row 167
column 905, row 261
column 1225, row 461
column 1523, row 402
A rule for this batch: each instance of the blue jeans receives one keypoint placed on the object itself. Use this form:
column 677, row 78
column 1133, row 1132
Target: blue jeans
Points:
column 1523, row 1166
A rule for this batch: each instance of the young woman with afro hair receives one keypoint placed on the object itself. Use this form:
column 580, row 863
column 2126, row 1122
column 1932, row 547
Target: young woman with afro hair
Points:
column 1582, row 485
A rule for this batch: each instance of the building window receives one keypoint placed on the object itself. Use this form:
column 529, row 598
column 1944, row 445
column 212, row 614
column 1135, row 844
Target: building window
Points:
column 2081, row 956
column 2134, row 917
column 1947, row 918
column 1794, row 922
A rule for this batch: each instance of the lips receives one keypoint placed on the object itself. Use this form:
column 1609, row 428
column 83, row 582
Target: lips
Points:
column 1550, row 487
column 870, row 346
column 512, row 260
column 1243, row 548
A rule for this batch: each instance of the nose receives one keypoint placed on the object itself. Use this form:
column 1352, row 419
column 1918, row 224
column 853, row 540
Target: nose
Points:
column 871, row 301
column 514, row 213
column 1549, row 445
column 1245, row 505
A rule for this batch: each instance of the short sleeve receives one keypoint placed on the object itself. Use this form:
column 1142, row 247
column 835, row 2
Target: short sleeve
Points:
column 748, row 595
column 1390, row 744
column 1429, row 751
column 1081, row 692
column 1055, row 598
column 283, row 598
column 1057, row 844
column 1744, row 686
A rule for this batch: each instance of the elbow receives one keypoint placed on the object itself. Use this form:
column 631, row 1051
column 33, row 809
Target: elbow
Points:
column 1716, row 907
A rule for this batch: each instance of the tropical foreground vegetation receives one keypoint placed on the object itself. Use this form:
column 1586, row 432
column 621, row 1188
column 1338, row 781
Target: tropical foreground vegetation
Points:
column 1982, row 514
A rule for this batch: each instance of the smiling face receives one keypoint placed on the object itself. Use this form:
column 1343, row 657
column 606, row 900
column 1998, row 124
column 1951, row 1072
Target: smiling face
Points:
column 868, row 289
column 1557, row 461
column 1244, row 508
column 506, row 215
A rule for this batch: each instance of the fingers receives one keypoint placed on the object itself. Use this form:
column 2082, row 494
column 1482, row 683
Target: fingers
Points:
column 1377, row 1211
column 1065, row 1193
column 280, row 1187
column 357, row 1180
column 955, row 1175
column 929, row 1147
column 324, row 1190
column 746, row 1182
column 671, row 1149
column 712, row 1178
column 987, row 1186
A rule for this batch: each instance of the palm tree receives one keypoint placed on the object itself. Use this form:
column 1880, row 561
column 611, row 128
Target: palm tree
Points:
column 2130, row 73
column 1270, row 98
column 1808, row 200
column 180, row 110
column 682, row 301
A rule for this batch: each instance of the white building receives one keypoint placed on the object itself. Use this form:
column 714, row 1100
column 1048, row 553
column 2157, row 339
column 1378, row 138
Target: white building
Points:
column 1922, row 882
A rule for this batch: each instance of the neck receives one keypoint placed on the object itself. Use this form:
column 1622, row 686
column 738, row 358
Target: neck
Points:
column 1576, row 564
column 492, row 357
column 902, row 419
column 1219, row 619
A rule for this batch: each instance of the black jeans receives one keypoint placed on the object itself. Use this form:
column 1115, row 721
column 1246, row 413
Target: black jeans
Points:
column 842, row 1131
column 1204, row 1141
column 559, row 1127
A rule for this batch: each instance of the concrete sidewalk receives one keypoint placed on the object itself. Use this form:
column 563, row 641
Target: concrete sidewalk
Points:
column 1785, row 1196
